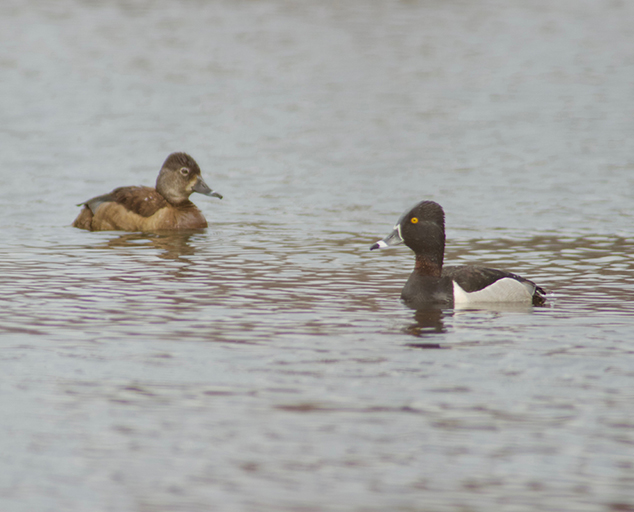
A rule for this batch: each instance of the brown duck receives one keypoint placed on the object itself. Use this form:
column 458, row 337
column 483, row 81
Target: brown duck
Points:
column 166, row 207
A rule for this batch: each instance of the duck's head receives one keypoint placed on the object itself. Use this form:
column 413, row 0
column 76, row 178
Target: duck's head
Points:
column 180, row 177
column 422, row 229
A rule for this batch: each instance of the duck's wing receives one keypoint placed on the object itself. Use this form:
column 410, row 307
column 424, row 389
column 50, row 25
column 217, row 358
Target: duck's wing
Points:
column 143, row 201
column 473, row 279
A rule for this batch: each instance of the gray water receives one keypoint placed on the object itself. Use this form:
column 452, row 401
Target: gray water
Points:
column 266, row 363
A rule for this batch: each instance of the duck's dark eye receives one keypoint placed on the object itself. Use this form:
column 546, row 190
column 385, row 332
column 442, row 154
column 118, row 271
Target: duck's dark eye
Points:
column 414, row 220
column 184, row 171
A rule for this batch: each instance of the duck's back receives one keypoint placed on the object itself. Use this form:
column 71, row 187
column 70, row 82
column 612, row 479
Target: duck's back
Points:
column 137, row 209
column 481, row 284
column 466, row 284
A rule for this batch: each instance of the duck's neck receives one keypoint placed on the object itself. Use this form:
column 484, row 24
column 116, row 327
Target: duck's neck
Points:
column 428, row 266
column 429, row 247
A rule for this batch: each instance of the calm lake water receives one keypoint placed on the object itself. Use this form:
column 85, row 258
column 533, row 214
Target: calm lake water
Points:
column 266, row 363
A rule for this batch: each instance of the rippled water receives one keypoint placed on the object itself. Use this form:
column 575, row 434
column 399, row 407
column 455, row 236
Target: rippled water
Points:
column 266, row 363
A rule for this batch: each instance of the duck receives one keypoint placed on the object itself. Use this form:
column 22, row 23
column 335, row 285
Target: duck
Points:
column 164, row 208
column 422, row 229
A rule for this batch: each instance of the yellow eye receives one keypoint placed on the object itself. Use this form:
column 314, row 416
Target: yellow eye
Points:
column 414, row 220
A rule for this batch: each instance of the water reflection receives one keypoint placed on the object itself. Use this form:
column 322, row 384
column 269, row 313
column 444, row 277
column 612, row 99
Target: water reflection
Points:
column 171, row 245
column 428, row 322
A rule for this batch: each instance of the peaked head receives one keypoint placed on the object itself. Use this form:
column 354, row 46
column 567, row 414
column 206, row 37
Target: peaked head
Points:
column 180, row 177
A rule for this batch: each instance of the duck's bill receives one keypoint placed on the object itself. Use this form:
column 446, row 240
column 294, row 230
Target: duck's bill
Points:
column 394, row 238
column 202, row 188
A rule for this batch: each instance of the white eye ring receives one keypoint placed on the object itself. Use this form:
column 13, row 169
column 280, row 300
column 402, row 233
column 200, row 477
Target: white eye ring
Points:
column 184, row 171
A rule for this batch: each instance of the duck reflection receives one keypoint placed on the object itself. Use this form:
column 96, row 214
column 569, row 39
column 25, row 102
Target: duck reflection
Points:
column 429, row 321
column 172, row 245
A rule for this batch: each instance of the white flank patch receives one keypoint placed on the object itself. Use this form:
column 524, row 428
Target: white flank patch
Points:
column 503, row 290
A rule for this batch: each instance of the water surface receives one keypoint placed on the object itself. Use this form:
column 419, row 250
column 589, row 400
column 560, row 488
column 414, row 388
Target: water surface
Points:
column 266, row 363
